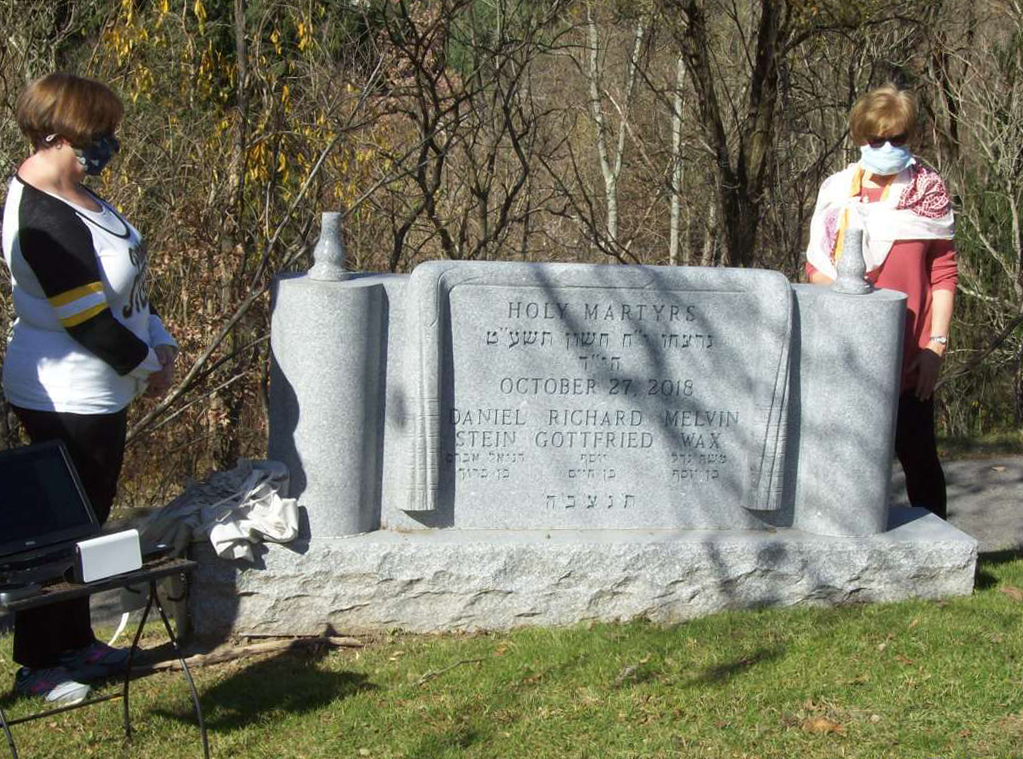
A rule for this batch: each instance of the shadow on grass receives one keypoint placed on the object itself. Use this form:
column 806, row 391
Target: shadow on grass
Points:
column 9, row 699
column 720, row 673
column 431, row 746
column 289, row 683
column 985, row 579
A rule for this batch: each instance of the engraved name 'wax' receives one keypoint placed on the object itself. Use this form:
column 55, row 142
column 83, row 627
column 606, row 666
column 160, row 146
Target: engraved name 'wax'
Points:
column 698, row 440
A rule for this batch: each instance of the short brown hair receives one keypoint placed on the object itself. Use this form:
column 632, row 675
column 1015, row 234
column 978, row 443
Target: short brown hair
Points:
column 885, row 111
column 72, row 107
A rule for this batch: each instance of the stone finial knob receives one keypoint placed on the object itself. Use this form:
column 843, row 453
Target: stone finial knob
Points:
column 329, row 253
column 852, row 270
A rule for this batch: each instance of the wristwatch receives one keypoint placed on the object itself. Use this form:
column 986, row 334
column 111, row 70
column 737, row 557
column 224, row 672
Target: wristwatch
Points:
column 939, row 339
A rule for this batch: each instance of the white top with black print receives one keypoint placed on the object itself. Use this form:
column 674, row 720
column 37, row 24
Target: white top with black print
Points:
column 82, row 342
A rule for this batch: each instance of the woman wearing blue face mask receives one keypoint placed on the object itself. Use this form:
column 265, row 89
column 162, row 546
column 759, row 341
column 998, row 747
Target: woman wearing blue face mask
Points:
column 85, row 342
column 908, row 228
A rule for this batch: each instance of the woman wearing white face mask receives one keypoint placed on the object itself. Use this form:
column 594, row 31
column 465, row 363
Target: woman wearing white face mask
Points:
column 908, row 229
column 84, row 344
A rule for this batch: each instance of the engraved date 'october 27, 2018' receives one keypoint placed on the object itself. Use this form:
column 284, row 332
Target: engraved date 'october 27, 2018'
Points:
column 592, row 386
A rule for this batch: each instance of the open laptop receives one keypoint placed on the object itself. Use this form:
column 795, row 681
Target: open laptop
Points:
column 43, row 512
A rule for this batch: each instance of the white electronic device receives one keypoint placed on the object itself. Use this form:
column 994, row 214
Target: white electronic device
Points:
column 107, row 555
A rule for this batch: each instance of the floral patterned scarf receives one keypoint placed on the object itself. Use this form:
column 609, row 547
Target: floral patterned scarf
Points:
column 914, row 206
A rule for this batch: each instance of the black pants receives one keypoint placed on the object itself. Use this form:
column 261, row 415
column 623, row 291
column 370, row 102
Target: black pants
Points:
column 917, row 449
column 95, row 443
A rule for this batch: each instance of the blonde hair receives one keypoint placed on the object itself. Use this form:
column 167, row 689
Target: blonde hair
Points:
column 69, row 106
column 885, row 111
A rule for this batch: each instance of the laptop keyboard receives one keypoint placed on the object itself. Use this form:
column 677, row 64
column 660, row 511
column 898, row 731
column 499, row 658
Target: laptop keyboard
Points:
column 39, row 569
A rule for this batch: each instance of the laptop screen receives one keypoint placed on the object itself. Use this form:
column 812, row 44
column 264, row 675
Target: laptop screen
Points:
column 42, row 503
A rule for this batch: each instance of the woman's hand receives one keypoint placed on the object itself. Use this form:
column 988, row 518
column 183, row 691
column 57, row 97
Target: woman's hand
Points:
column 161, row 381
column 927, row 365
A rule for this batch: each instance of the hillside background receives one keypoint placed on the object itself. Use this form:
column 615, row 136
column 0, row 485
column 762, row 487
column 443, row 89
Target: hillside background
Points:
column 667, row 132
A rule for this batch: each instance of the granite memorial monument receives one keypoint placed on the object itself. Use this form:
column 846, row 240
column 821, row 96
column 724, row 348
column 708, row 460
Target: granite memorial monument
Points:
column 485, row 445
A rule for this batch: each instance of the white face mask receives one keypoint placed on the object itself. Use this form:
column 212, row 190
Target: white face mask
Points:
column 885, row 160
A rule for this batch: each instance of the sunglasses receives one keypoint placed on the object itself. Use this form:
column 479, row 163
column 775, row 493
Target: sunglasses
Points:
column 897, row 140
column 112, row 142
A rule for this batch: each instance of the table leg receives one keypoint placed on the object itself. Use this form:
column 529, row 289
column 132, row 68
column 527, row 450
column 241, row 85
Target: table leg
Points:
column 7, row 730
column 131, row 657
column 188, row 675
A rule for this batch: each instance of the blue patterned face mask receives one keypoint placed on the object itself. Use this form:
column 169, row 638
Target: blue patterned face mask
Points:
column 95, row 156
column 885, row 160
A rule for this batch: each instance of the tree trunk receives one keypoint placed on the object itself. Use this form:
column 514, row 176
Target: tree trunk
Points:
column 228, row 402
column 610, row 166
column 740, row 164
column 677, row 168
column 710, row 237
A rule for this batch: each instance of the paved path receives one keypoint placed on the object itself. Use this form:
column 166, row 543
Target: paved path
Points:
column 985, row 500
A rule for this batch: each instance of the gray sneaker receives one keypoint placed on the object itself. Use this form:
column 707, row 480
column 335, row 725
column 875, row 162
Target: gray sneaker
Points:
column 53, row 684
column 94, row 661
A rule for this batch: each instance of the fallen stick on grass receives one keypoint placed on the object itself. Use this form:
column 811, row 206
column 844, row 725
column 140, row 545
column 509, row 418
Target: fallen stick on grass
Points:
column 238, row 652
column 430, row 674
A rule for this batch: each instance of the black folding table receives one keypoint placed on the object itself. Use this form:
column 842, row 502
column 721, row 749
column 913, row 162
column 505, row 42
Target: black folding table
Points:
column 150, row 573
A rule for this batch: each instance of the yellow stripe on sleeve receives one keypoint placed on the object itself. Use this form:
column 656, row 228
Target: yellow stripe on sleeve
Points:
column 72, row 295
column 83, row 316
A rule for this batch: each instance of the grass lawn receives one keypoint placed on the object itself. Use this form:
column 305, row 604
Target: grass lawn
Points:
column 992, row 445
column 914, row 680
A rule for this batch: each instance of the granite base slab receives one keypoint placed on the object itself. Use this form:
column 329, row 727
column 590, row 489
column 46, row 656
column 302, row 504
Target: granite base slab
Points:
column 446, row 580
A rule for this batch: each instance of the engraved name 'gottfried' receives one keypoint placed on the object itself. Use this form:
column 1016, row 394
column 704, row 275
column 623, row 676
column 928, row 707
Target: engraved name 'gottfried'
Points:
column 587, row 439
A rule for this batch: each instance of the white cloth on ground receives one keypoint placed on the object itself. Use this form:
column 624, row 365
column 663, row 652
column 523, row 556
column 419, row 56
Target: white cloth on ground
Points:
column 234, row 509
